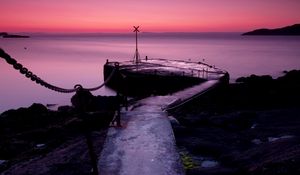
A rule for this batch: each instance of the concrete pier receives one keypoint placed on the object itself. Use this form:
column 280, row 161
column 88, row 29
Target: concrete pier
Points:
column 145, row 144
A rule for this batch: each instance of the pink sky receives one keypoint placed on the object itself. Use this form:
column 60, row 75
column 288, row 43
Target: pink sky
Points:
column 152, row 15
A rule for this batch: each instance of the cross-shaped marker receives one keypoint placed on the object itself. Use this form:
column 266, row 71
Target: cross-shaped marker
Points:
column 136, row 29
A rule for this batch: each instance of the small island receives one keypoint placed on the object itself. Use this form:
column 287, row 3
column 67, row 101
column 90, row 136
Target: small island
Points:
column 6, row 35
column 289, row 30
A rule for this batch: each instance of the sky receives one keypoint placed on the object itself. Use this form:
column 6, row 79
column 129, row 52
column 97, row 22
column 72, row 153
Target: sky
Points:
column 151, row 15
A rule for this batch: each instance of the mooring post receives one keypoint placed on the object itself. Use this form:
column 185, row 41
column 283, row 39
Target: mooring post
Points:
column 81, row 101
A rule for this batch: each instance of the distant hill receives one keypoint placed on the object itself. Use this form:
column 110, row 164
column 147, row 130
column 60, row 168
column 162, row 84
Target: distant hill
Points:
column 289, row 30
column 6, row 35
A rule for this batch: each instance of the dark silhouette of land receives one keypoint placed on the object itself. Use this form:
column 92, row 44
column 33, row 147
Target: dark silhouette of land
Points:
column 6, row 35
column 289, row 30
column 249, row 127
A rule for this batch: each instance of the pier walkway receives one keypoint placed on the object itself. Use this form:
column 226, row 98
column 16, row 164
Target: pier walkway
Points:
column 145, row 144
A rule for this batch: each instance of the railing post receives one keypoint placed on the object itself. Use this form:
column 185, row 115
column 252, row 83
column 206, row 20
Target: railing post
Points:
column 206, row 73
column 126, row 93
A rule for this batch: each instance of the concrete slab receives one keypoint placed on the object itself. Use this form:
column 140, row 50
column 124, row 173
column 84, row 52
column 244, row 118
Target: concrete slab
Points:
column 144, row 145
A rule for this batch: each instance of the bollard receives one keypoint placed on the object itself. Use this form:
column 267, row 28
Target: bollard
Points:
column 81, row 101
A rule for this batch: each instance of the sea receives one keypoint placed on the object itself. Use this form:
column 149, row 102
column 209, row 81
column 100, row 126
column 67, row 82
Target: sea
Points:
column 65, row 60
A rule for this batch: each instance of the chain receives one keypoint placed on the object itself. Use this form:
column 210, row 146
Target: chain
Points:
column 28, row 74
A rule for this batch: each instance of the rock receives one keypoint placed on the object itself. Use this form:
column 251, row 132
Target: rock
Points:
column 40, row 146
column 262, row 80
column 65, row 108
column 273, row 139
column 3, row 164
column 209, row 164
column 234, row 121
column 173, row 121
column 256, row 141
column 37, row 108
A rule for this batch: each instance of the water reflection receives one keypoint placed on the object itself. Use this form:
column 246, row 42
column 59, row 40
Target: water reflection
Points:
column 66, row 61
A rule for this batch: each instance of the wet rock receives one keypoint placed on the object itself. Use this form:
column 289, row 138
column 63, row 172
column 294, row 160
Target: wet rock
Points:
column 174, row 121
column 3, row 164
column 34, row 109
column 65, row 108
column 267, row 154
column 273, row 139
column 257, row 81
column 40, row 146
column 234, row 121
column 256, row 141
column 209, row 164
column 37, row 108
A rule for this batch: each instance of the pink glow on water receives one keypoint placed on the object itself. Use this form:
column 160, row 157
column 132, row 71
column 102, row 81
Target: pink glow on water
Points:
column 154, row 15
column 66, row 61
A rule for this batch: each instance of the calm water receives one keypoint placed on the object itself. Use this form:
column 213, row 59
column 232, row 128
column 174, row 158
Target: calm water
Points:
column 66, row 61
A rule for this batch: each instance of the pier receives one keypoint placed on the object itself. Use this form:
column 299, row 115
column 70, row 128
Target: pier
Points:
column 145, row 144
column 159, row 76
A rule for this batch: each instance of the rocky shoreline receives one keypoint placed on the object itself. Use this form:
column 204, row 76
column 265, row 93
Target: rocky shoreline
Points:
column 37, row 140
column 250, row 127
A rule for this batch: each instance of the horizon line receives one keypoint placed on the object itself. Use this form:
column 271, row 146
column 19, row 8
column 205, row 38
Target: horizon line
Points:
column 116, row 33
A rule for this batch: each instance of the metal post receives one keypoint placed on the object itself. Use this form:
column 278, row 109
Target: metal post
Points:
column 206, row 73
column 136, row 30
